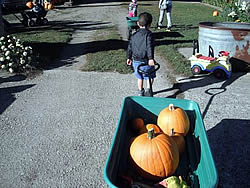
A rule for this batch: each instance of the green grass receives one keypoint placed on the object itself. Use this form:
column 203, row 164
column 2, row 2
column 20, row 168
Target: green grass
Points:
column 186, row 18
column 109, row 54
column 47, row 42
column 109, row 51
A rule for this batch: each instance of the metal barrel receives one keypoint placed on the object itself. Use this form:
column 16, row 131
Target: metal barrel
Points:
column 226, row 36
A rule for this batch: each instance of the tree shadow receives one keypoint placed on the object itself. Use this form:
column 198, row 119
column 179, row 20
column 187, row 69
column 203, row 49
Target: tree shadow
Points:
column 230, row 143
column 60, row 25
column 7, row 95
column 161, row 35
column 71, row 51
column 14, row 78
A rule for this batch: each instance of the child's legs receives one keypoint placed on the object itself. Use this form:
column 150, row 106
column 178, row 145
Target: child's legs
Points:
column 140, row 84
column 138, row 75
column 161, row 17
column 169, row 8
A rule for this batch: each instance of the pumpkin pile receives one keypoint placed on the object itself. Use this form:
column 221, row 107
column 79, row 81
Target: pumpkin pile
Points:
column 156, row 150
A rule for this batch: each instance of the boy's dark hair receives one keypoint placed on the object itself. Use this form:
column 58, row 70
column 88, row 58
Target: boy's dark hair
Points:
column 145, row 19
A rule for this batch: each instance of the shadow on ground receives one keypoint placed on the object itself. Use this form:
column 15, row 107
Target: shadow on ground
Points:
column 7, row 94
column 14, row 78
column 59, row 25
column 230, row 144
column 202, row 81
column 76, row 50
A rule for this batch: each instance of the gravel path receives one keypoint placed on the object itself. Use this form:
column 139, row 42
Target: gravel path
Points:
column 56, row 130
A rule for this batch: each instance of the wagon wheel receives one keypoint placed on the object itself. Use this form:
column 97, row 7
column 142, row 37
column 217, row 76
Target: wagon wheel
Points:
column 196, row 70
column 32, row 23
column 45, row 21
column 220, row 74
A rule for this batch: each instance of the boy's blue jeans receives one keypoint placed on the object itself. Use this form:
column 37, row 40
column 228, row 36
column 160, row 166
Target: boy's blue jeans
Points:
column 146, row 68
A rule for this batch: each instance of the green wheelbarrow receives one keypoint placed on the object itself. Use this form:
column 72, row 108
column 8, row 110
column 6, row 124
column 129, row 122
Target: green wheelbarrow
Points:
column 196, row 164
column 132, row 26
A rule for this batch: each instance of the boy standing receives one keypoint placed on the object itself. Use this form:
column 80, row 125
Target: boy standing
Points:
column 141, row 51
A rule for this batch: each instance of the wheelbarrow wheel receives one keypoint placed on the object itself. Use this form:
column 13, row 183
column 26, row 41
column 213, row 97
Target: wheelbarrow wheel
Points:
column 32, row 23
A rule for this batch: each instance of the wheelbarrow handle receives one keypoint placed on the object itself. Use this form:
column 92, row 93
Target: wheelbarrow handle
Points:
column 157, row 67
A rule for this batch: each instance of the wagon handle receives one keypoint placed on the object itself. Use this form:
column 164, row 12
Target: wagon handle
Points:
column 157, row 65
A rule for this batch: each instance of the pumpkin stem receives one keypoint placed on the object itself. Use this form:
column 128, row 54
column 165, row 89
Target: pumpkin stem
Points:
column 172, row 132
column 171, row 107
column 151, row 133
column 180, row 178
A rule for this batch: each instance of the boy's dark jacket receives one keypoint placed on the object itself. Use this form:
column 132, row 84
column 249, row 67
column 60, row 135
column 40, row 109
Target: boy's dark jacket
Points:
column 141, row 47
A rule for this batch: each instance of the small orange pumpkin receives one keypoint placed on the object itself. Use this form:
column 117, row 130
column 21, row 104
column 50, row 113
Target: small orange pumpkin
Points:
column 179, row 140
column 155, row 155
column 137, row 124
column 173, row 118
column 30, row 4
column 155, row 127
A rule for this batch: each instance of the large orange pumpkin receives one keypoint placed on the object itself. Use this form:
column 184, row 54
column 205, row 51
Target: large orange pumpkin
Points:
column 155, row 155
column 173, row 118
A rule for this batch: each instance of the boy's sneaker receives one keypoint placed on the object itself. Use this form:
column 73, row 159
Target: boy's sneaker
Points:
column 147, row 92
column 141, row 92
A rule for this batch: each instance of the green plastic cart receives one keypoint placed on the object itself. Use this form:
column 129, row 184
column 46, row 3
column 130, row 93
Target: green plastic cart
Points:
column 196, row 164
column 132, row 25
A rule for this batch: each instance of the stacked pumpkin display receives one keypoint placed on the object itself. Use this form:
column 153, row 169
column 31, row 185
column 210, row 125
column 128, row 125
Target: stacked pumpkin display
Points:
column 155, row 151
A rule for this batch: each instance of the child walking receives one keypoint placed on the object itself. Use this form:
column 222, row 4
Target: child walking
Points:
column 141, row 51
column 132, row 9
column 165, row 6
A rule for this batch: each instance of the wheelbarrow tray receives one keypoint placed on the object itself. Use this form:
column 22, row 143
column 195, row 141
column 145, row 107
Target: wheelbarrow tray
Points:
column 196, row 163
column 132, row 22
